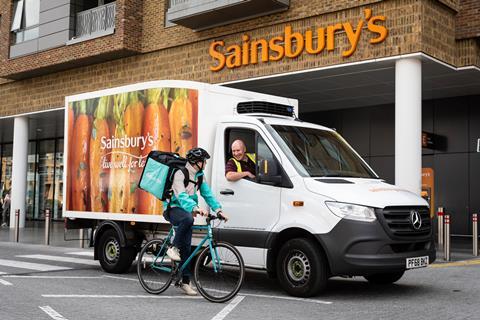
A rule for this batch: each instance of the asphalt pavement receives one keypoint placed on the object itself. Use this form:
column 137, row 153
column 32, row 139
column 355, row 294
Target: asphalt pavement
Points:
column 51, row 282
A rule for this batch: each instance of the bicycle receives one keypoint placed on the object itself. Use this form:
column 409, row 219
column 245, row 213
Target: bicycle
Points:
column 219, row 270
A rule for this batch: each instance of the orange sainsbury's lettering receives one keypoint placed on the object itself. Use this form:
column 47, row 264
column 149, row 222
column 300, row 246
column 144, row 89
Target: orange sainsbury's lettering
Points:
column 293, row 43
column 217, row 55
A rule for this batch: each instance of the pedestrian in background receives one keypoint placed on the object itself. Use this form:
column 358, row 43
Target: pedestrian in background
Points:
column 6, row 209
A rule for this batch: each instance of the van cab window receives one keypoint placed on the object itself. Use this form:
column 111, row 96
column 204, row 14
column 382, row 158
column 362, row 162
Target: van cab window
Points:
column 320, row 153
column 259, row 164
column 240, row 154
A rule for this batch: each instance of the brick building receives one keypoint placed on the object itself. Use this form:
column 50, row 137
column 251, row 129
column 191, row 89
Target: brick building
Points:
column 380, row 72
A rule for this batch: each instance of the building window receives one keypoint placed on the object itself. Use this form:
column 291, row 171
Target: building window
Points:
column 26, row 14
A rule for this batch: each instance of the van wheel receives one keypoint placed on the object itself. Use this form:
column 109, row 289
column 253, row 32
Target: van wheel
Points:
column 301, row 268
column 114, row 258
column 384, row 278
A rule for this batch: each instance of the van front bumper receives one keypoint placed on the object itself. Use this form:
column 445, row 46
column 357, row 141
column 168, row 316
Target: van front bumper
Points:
column 356, row 248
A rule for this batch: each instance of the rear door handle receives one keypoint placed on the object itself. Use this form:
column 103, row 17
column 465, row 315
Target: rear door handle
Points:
column 227, row 192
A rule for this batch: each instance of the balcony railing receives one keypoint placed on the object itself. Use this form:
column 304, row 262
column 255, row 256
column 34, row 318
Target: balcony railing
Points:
column 95, row 21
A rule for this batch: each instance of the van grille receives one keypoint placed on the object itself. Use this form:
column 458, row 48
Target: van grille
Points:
column 265, row 107
column 397, row 221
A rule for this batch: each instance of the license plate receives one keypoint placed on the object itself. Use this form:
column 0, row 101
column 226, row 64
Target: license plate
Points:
column 417, row 262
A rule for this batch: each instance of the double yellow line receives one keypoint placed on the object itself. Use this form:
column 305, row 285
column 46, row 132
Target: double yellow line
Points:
column 456, row 264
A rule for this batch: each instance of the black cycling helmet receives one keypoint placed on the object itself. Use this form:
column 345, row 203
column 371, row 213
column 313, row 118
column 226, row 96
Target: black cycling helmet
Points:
column 197, row 155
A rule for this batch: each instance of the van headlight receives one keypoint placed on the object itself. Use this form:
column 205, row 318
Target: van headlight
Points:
column 351, row 211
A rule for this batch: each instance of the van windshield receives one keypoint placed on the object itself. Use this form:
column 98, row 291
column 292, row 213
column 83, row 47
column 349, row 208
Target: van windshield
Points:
column 320, row 153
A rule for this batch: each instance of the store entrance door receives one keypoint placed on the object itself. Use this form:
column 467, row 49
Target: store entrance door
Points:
column 45, row 179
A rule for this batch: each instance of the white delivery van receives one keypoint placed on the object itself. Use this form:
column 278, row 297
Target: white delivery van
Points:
column 314, row 210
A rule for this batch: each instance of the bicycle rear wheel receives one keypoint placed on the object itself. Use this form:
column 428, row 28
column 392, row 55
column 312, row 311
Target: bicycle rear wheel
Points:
column 154, row 267
column 219, row 273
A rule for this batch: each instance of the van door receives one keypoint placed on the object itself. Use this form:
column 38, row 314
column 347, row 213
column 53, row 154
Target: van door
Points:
column 253, row 206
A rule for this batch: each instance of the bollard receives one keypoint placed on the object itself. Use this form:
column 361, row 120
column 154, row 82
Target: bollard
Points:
column 17, row 224
column 47, row 227
column 447, row 238
column 440, row 225
column 82, row 244
column 475, row 234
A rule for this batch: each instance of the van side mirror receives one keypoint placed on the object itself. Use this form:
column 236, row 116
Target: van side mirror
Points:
column 268, row 173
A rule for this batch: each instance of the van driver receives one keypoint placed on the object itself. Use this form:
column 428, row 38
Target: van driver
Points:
column 242, row 164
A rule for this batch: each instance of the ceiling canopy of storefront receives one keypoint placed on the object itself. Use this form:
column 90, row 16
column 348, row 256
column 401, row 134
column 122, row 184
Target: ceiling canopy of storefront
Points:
column 362, row 84
column 43, row 125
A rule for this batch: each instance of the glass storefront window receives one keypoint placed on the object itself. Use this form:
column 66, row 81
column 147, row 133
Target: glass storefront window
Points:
column 58, row 197
column 44, row 177
column 32, row 178
column 6, row 169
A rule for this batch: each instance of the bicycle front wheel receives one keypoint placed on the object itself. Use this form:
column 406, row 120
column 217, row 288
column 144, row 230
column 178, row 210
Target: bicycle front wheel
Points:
column 154, row 267
column 219, row 272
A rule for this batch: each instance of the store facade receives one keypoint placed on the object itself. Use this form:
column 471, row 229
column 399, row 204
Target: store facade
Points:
column 380, row 72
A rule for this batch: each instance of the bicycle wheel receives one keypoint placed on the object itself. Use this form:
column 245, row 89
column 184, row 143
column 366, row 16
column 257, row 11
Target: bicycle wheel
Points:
column 154, row 268
column 220, row 279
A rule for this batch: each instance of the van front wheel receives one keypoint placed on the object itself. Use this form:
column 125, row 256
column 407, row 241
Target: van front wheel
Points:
column 301, row 268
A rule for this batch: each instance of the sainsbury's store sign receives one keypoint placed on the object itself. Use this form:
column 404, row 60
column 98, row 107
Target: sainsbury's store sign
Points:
column 291, row 44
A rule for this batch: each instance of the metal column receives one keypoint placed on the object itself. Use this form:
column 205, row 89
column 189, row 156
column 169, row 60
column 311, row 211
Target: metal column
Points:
column 447, row 238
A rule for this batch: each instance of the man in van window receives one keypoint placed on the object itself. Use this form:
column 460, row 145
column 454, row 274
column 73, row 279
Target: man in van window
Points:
column 242, row 164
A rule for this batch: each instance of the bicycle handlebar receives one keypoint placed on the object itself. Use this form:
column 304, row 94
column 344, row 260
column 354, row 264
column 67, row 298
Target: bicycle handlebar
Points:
column 210, row 217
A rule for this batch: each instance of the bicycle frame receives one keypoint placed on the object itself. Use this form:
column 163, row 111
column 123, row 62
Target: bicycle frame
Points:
column 208, row 237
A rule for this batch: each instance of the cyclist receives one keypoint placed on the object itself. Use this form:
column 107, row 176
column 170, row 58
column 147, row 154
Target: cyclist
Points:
column 183, row 206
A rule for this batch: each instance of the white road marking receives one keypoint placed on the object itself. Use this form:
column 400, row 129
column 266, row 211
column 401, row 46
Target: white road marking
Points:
column 52, row 277
column 31, row 266
column 122, row 278
column 82, row 253
column 52, row 313
column 60, row 258
column 5, row 283
column 249, row 294
column 225, row 311
column 286, row 298
column 170, row 297
column 2, row 273
column 115, row 296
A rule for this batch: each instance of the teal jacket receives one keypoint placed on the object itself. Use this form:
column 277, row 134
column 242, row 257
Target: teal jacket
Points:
column 189, row 202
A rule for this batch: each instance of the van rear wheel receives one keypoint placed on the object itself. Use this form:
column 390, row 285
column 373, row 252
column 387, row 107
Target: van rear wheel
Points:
column 301, row 268
column 113, row 257
column 384, row 278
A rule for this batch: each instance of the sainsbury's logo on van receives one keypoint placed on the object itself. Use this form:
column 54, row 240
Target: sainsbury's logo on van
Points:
column 126, row 142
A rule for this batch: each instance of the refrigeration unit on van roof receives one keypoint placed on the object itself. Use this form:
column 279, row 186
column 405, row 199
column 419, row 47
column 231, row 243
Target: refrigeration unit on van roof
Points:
column 265, row 107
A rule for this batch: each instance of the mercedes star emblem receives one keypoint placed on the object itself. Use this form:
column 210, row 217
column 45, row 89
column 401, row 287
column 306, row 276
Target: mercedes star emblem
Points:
column 416, row 219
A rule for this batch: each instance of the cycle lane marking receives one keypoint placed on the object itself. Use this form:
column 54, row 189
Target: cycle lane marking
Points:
column 225, row 311
column 52, row 313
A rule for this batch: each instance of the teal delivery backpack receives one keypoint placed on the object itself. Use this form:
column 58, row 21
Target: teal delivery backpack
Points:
column 157, row 175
